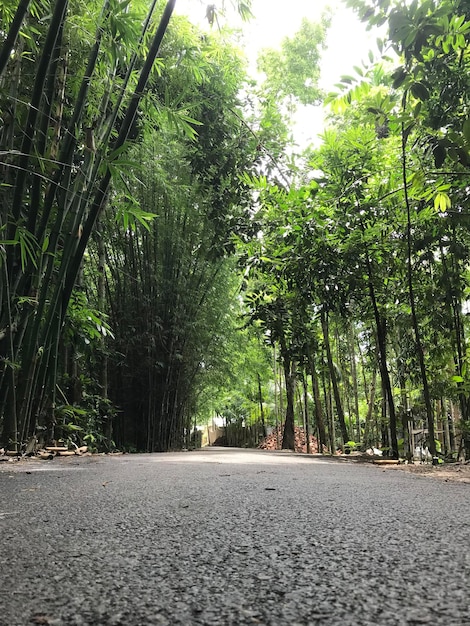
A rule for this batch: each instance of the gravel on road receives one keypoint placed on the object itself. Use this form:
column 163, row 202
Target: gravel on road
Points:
column 230, row 537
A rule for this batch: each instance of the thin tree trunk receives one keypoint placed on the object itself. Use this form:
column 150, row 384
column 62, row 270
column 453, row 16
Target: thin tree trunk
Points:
column 333, row 377
column 368, row 429
column 451, row 421
column 454, row 298
column 318, row 404
column 288, row 435
column 53, row 33
column 276, row 399
column 10, row 419
column 326, row 385
column 13, row 32
column 352, row 352
column 384, row 423
column 414, row 316
column 261, row 408
column 381, row 329
column 306, row 414
column 101, row 288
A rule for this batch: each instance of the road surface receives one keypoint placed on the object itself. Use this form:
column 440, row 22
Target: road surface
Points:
column 230, row 537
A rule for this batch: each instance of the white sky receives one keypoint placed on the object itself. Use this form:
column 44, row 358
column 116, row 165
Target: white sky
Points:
column 348, row 42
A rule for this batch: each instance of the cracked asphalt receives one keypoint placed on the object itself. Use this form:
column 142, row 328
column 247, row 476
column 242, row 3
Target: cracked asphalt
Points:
column 230, row 537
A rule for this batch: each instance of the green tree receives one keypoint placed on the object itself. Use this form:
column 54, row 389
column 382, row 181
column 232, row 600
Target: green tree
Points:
column 431, row 40
column 76, row 82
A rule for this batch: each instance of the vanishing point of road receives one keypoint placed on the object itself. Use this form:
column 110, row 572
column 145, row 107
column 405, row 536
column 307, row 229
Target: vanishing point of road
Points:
column 230, row 537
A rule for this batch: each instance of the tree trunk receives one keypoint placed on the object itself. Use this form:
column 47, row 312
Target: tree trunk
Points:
column 326, row 385
column 13, row 32
column 381, row 329
column 369, row 440
column 387, row 385
column 101, row 288
column 454, row 297
column 333, row 377
column 276, row 403
column 261, row 408
column 306, row 414
column 414, row 316
column 288, row 435
column 322, row 442
column 352, row 352
column 34, row 108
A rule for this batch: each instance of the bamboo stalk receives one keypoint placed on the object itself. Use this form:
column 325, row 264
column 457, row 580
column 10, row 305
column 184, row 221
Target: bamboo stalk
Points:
column 13, row 33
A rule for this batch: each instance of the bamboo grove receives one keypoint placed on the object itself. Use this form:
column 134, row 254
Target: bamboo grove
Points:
column 80, row 84
column 167, row 253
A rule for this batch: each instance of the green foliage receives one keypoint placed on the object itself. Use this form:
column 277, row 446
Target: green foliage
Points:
column 85, row 324
column 66, row 88
column 378, row 235
column 25, row 242
column 88, row 424
column 175, row 316
column 294, row 70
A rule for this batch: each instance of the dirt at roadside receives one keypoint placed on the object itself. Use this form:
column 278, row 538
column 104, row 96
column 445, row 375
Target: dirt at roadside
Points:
column 448, row 472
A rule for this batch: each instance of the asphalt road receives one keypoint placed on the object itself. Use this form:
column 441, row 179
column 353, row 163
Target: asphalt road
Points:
column 230, row 537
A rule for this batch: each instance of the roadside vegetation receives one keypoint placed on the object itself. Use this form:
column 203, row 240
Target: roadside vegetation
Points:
column 170, row 258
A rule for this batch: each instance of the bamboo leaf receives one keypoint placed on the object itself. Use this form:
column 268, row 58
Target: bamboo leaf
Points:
column 466, row 130
column 442, row 202
column 398, row 77
column 420, row 91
